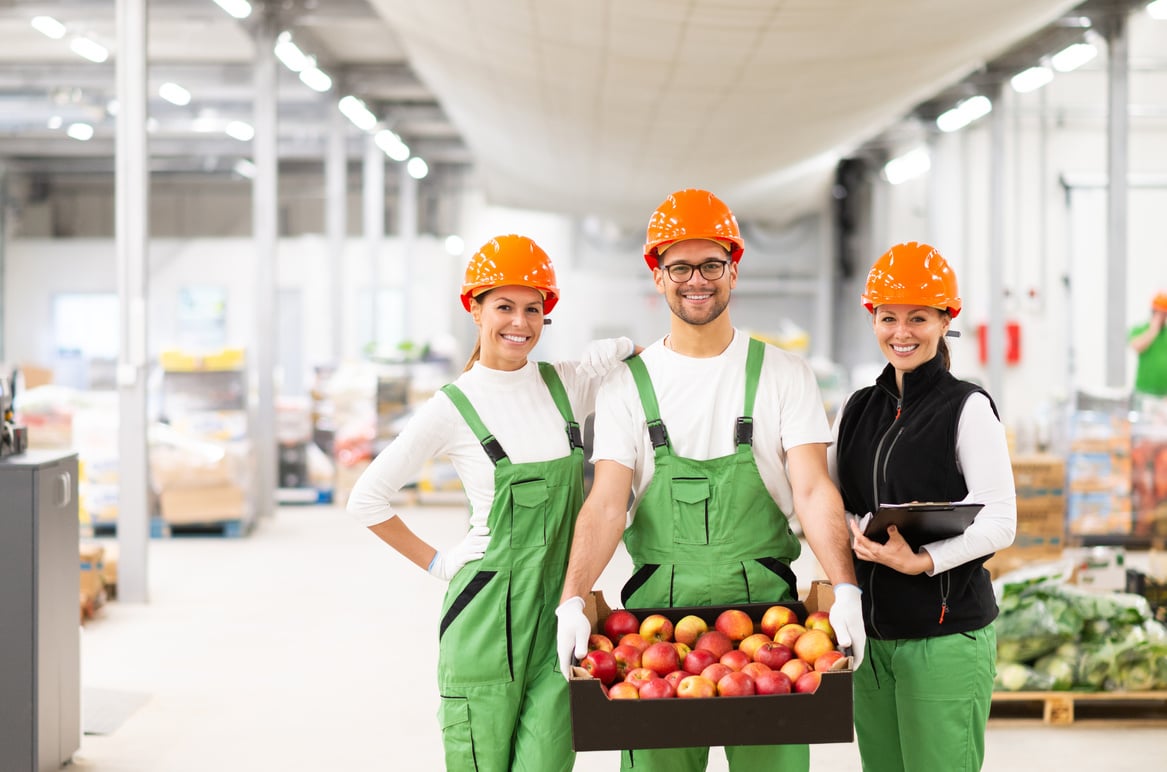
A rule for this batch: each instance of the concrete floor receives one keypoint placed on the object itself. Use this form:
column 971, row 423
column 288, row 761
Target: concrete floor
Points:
column 308, row 647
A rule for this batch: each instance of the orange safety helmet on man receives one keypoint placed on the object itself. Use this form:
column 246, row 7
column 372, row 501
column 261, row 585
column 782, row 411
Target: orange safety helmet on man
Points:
column 1159, row 303
column 692, row 214
column 912, row 273
column 510, row 261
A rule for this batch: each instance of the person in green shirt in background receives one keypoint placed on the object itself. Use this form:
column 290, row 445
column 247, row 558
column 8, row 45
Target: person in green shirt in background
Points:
column 1150, row 342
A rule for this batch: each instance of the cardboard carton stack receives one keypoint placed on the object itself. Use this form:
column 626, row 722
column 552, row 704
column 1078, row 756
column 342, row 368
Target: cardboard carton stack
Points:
column 1098, row 473
column 1041, row 513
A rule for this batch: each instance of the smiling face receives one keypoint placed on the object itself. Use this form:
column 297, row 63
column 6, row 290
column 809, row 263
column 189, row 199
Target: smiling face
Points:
column 909, row 335
column 510, row 321
column 698, row 300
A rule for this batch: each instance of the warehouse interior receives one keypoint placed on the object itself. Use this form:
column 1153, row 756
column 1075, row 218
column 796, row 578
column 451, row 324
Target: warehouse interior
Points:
column 232, row 237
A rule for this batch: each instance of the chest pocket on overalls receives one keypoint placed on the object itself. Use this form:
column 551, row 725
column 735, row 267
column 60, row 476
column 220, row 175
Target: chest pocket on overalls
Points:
column 690, row 510
column 528, row 514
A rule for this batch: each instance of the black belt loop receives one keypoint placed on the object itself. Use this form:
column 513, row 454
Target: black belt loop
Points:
column 743, row 433
column 493, row 449
column 574, row 438
column 657, row 433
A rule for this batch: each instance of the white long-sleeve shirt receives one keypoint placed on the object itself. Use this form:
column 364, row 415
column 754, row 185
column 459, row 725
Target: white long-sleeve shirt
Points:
column 982, row 456
column 516, row 408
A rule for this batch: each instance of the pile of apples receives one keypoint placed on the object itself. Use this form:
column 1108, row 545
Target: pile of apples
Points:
column 654, row 659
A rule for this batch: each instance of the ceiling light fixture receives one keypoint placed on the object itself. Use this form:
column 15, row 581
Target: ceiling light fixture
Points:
column 244, row 168
column 1032, row 79
column 964, row 113
column 290, row 54
column 454, row 245
column 1073, row 56
column 80, row 131
column 1157, row 10
column 48, row 26
column 240, row 9
column 55, row 122
column 356, row 111
column 316, row 79
column 389, row 142
column 417, row 168
column 239, row 130
column 174, row 94
column 93, row 51
column 907, row 166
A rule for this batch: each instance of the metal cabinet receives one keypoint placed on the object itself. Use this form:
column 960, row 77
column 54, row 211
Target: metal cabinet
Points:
column 40, row 636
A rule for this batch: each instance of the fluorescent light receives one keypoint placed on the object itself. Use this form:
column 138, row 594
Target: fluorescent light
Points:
column 964, row 113
column 417, row 168
column 48, row 26
column 907, row 166
column 239, row 130
column 80, row 131
column 244, row 168
column 1073, row 56
column 316, row 79
column 454, row 245
column 1158, row 10
column 289, row 53
column 94, row 52
column 174, row 93
column 1031, row 79
column 391, row 144
column 55, row 122
column 355, row 110
column 240, row 9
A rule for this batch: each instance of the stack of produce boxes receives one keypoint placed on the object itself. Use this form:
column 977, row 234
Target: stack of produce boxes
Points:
column 1098, row 475
column 1149, row 470
column 1041, row 513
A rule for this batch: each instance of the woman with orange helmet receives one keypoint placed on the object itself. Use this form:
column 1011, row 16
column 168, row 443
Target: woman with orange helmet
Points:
column 1150, row 343
column 923, row 692
column 511, row 428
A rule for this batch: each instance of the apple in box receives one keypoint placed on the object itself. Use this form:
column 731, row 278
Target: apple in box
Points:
column 600, row 665
column 688, row 629
column 777, row 617
column 716, row 642
column 656, row 628
column 697, row 660
column 661, row 658
column 735, row 659
column 735, row 624
column 820, row 620
column 813, row 644
column 619, row 623
column 735, row 684
column 695, row 686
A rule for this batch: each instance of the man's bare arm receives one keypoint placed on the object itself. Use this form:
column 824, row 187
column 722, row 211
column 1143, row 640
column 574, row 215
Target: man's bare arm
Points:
column 820, row 511
column 598, row 528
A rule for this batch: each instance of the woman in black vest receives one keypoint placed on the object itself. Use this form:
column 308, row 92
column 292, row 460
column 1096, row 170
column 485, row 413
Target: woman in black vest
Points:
column 923, row 691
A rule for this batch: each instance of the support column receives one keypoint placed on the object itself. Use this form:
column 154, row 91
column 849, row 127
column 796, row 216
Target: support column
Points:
column 132, row 231
column 996, row 304
column 336, row 219
column 1118, row 125
column 407, row 233
column 374, row 227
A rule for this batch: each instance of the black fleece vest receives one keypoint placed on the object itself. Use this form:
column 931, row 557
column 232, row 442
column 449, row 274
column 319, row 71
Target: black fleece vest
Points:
column 894, row 451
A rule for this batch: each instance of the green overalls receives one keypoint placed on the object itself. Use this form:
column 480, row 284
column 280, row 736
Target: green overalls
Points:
column 504, row 704
column 709, row 533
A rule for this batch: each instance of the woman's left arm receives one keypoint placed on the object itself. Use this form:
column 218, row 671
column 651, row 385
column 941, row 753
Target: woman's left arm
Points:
column 982, row 454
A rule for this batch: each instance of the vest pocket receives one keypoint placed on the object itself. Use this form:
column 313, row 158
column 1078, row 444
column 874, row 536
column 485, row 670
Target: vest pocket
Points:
column 471, row 650
column 690, row 510
column 528, row 514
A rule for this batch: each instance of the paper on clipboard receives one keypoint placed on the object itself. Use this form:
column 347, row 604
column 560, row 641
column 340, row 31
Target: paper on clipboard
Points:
column 922, row 522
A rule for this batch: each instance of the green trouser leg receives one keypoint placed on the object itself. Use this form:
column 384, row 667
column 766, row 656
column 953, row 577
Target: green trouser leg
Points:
column 783, row 758
column 921, row 705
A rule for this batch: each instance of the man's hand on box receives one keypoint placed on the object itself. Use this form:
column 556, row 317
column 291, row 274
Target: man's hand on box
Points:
column 847, row 619
column 572, row 633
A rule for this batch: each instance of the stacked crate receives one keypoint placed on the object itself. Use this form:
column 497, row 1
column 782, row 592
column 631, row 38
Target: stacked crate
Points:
column 1041, row 513
column 1098, row 475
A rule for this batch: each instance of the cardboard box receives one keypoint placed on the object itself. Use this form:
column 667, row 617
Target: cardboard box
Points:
column 203, row 505
column 92, row 585
column 598, row 723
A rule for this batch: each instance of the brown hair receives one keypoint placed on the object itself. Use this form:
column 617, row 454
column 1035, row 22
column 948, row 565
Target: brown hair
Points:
column 474, row 355
column 942, row 347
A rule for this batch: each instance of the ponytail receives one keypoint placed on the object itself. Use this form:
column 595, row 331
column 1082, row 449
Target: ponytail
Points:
column 474, row 355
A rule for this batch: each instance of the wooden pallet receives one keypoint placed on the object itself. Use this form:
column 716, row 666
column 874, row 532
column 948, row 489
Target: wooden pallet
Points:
column 1059, row 708
column 231, row 529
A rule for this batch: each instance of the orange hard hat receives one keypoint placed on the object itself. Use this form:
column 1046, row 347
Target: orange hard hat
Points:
column 692, row 214
column 510, row 260
column 1159, row 303
column 912, row 273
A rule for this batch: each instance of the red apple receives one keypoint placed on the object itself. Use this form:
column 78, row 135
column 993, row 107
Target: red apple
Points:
column 697, row 660
column 735, row 623
column 755, row 669
column 597, row 641
column 676, row 677
column 751, row 644
column 777, row 617
column 808, row 682
column 623, row 691
column 832, row 660
column 661, row 657
column 794, row 669
column 656, row 627
column 773, row 655
column 639, row 676
column 688, row 629
column 735, row 659
column 820, row 620
column 657, row 689
column 634, row 640
column 619, row 623
column 813, row 644
column 714, row 641
column 716, row 671
column 774, row 682
column 600, row 665
column 627, row 658
column 735, row 684
column 788, row 634
column 696, row 686
column 682, row 650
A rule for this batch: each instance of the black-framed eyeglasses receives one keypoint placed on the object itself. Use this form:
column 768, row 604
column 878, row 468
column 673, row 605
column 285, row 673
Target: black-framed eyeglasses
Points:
column 711, row 270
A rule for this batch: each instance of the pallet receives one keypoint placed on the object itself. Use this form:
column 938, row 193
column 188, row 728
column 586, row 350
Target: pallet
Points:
column 231, row 529
column 1064, row 708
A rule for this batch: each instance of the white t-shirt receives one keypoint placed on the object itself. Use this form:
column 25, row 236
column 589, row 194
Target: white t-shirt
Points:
column 516, row 408
column 700, row 401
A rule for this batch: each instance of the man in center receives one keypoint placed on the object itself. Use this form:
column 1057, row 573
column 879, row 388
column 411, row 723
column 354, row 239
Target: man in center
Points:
column 720, row 438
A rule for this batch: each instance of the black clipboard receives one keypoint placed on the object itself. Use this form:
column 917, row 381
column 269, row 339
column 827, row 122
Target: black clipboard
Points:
column 922, row 522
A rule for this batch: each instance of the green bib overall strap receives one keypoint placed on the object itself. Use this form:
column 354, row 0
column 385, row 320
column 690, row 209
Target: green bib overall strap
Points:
column 559, row 395
column 657, row 434
column 743, row 433
column 492, row 447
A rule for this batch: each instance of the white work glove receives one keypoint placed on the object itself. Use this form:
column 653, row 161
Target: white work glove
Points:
column 600, row 357
column 847, row 619
column 572, row 633
column 473, row 547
